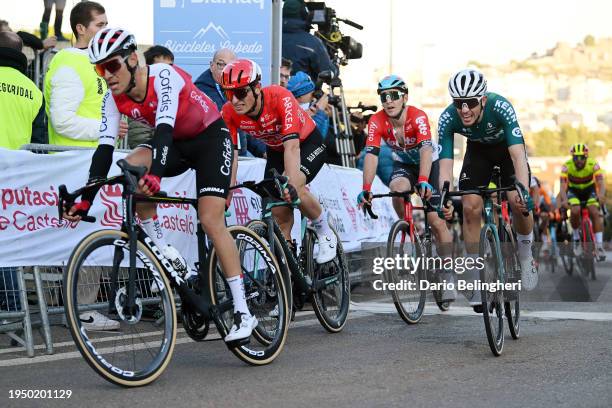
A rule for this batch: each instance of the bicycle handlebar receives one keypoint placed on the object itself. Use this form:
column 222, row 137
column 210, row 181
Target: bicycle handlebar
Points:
column 129, row 178
column 403, row 194
column 269, row 187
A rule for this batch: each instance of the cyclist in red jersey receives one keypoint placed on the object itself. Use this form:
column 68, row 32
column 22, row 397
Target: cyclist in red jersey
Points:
column 189, row 133
column 405, row 128
column 294, row 145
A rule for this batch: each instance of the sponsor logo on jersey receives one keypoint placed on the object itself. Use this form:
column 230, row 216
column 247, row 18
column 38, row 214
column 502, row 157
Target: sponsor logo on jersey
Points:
column 422, row 124
column 215, row 189
column 288, row 105
column 201, row 99
column 516, row 132
column 164, row 155
column 165, row 99
column 506, row 109
column 227, row 157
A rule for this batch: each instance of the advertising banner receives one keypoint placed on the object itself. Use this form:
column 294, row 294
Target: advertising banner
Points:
column 195, row 29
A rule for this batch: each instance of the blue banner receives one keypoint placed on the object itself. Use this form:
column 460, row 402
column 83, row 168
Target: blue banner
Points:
column 195, row 29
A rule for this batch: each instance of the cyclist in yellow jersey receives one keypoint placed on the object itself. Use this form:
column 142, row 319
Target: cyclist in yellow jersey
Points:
column 578, row 178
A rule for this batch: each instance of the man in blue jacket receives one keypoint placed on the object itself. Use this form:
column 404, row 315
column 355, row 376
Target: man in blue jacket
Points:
column 305, row 50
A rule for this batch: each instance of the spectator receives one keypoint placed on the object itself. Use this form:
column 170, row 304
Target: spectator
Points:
column 358, row 126
column 20, row 100
column 30, row 40
column 209, row 83
column 306, row 51
column 59, row 13
column 20, row 106
column 158, row 53
column 302, row 87
column 73, row 90
column 285, row 72
column 74, row 94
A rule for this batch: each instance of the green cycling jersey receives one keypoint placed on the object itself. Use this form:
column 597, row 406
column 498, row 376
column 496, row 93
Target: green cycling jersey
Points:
column 498, row 125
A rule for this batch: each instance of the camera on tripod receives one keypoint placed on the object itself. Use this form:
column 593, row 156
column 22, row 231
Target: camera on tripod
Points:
column 329, row 31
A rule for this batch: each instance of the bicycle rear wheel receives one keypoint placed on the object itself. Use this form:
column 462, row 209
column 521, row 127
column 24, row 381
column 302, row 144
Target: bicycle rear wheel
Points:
column 265, row 293
column 330, row 284
column 492, row 302
column 139, row 347
column 410, row 301
column 512, row 271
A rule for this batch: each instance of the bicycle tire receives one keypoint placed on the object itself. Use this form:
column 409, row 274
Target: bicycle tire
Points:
column 410, row 315
column 330, row 301
column 588, row 253
column 513, row 273
column 261, row 287
column 92, row 350
column 261, row 229
column 492, row 303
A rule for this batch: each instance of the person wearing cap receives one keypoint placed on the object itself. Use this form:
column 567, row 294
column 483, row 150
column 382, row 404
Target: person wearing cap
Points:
column 302, row 87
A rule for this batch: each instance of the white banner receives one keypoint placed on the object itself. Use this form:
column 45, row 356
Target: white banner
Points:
column 31, row 232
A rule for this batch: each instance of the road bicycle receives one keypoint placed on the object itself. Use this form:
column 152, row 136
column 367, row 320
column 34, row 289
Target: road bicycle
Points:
column 132, row 265
column 497, row 249
column 405, row 240
column 327, row 286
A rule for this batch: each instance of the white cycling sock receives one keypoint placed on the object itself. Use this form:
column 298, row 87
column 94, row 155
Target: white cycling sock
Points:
column 576, row 235
column 321, row 226
column 153, row 229
column 599, row 237
column 524, row 244
column 236, row 284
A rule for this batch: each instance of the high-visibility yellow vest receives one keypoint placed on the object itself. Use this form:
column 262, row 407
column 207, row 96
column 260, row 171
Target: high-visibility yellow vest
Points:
column 94, row 86
column 20, row 101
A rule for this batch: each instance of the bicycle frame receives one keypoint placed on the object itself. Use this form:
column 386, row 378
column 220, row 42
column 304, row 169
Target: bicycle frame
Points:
column 586, row 226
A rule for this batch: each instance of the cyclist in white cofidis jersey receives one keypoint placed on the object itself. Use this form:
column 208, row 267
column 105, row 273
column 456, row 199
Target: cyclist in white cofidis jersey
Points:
column 189, row 133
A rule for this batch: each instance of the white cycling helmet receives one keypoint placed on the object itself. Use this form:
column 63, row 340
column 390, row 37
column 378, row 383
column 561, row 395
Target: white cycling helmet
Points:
column 108, row 42
column 468, row 83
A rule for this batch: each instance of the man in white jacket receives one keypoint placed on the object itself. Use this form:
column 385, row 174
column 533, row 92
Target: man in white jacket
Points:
column 73, row 91
column 73, row 102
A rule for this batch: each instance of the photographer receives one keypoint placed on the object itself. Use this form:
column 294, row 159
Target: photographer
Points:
column 305, row 50
column 302, row 87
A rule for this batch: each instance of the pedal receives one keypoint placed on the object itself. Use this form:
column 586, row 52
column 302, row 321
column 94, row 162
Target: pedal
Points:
column 238, row 343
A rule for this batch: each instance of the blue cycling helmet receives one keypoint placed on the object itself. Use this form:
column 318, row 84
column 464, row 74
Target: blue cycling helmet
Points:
column 392, row 82
column 300, row 84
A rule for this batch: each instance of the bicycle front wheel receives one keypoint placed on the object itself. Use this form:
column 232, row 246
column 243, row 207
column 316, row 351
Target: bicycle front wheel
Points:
column 127, row 348
column 408, row 298
column 492, row 301
column 588, row 253
column 512, row 269
column 330, row 285
column 265, row 292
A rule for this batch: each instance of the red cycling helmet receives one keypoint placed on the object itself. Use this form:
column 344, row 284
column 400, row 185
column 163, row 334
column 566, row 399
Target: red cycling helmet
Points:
column 240, row 73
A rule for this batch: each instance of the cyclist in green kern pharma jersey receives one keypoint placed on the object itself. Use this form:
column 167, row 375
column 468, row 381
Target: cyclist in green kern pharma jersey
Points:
column 494, row 138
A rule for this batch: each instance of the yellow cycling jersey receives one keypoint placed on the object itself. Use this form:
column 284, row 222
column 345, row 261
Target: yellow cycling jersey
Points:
column 581, row 178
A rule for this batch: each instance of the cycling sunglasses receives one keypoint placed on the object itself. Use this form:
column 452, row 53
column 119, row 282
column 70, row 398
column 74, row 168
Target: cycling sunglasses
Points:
column 470, row 102
column 111, row 66
column 579, row 158
column 390, row 96
column 239, row 93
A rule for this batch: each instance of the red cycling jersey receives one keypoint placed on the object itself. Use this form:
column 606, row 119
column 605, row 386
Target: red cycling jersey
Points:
column 281, row 119
column 405, row 147
column 171, row 98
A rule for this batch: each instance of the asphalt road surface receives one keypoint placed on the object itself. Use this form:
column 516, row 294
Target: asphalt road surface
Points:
column 563, row 359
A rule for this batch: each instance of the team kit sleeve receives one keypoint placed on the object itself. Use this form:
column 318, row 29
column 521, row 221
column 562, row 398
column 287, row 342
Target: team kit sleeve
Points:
column 228, row 115
column 375, row 130
column 103, row 156
column 446, row 133
column 168, row 84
